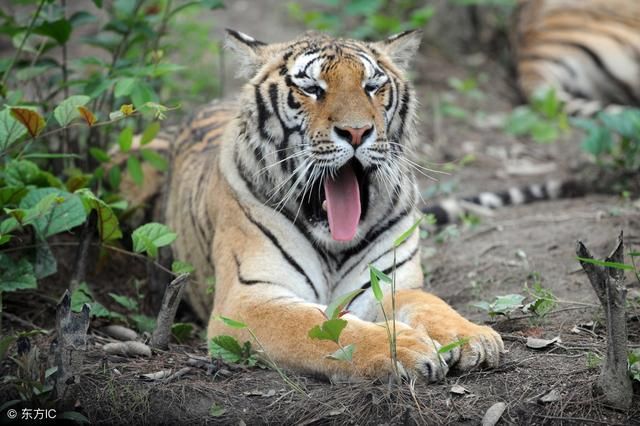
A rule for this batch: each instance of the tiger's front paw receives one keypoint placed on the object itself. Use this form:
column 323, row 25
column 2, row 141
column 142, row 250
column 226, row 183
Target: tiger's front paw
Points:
column 483, row 346
column 417, row 355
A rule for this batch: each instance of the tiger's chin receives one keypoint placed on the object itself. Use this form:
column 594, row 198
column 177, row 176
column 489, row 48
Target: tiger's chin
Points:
column 338, row 204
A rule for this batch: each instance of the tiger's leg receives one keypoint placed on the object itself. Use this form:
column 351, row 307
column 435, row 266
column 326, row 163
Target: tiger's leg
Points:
column 428, row 313
column 281, row 322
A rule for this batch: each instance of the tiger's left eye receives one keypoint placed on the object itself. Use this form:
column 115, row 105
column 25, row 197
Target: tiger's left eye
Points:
column 371, row 88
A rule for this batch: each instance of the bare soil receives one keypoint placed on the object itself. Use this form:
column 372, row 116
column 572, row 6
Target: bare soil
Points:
column 498, row 256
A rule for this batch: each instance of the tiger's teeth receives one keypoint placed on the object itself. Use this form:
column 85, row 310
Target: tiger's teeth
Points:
column 324, row 205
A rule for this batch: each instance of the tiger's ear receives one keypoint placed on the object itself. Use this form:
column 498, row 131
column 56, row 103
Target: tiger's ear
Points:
column 402, row 47
column 248, row 50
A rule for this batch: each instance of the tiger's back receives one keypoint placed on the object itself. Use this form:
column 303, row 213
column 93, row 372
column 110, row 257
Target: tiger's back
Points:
column 188, row 208
column 587, row 50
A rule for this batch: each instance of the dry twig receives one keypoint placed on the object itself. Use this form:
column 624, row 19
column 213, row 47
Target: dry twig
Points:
column 608, row 283
column 170, row 301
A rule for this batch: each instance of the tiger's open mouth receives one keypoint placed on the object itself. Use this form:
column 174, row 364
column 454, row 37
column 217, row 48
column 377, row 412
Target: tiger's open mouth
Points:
column 341, row 200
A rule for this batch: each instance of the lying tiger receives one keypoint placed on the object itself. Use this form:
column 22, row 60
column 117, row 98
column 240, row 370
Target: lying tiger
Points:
column 291, row 192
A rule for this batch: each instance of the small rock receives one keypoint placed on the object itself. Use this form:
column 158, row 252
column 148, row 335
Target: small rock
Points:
column 119, row 332
column 129, row 349
column 493, row 414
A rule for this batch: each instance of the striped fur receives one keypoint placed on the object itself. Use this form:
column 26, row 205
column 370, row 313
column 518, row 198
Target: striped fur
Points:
column 450, row 210
column 587, row 50
column 245, row 194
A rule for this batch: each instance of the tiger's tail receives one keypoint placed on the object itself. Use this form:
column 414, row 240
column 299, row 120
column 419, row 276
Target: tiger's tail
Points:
column 450, row 210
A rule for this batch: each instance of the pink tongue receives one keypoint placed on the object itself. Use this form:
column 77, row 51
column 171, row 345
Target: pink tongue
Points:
column 343, row 204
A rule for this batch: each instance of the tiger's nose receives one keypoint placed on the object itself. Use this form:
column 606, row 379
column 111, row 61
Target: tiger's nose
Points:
column 354, row 135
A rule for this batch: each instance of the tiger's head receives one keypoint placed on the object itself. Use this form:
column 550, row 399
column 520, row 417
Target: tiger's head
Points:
column 324, row 127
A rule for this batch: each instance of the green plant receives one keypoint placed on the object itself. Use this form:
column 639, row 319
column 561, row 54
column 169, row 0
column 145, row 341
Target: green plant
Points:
column 502, row 305
column 613, row 139
column 544, row 301
column 55, row 170
column 332, row 328
column 543, row 119
column 364, row 19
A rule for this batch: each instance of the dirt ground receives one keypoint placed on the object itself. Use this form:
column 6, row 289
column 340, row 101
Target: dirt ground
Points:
column 495, row 257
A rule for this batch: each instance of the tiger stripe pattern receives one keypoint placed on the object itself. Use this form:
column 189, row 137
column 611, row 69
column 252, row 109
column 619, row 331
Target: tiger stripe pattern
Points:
column 587, row 50
column 289, row 193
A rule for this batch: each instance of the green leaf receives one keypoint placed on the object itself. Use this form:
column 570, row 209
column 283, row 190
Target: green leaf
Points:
column 114, row 178
column 67, row 211
column 231, row 322
column 16, row 275
column 375, row 284
column 150, row 237
column 108, row 225
column 216, row 410
column 343, row 354
column 99, row 154
column 144, row 323
column 179, row 267
column 67, row 111
column 615, row 265
column 11, row 195
column 149, row 133
column 451, row 346
column 181, row 331
column 59, row 30
column 225, row 348
column 143, row 93
column 155, row 159
column 507, row 303
column 406, row 234
column 10, row 129
column 20, row 173
column 135, row 170
column 46, row 263
column 328, row 330
column 124, row 87
column 125, row 139
column 335, row 308
column 125, row 302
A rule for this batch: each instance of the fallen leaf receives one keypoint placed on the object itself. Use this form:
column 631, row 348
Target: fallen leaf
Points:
column 493, row 414
column 158, row 375
column 535, row 343
column 458, row 390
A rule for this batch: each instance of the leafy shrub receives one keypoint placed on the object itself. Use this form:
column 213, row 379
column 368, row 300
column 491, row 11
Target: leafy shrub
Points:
column 62, row 114
column 364, row 19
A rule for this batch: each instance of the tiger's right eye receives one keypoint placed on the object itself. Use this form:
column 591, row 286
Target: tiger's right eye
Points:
column 314, row 90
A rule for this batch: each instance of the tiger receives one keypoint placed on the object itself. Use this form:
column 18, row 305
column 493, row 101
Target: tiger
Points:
column 587, row 50
column 288, row 193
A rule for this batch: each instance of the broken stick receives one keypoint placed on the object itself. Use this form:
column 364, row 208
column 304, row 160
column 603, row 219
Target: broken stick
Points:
column 170, row 302
column 71, row 345
column 608, row 283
